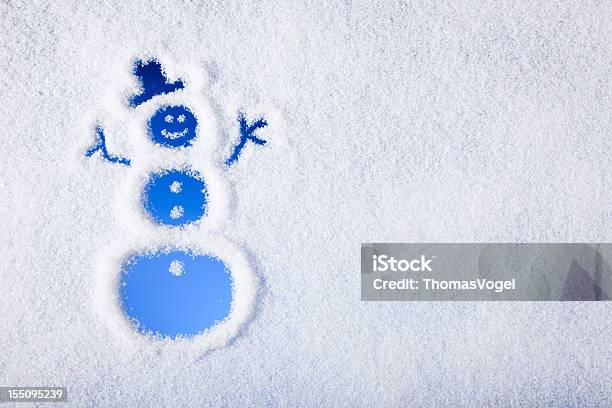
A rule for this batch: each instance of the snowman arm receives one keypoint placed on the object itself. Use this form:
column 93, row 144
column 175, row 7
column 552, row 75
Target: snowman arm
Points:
column 101, row 146
column 246, row 134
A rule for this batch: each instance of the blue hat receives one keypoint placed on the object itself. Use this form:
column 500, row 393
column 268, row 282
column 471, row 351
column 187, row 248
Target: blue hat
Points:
column 153, row 82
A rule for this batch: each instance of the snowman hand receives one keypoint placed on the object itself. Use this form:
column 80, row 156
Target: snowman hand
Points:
column 101, row 145
column 246, row 134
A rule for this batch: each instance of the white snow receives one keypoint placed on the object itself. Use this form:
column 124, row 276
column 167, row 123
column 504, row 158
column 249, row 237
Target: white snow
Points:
column 176, row 187
column 388, row 122
column 177, row 212
column 177, row 268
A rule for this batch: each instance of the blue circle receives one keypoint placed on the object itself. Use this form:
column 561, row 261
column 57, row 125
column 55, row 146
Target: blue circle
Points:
column 176, row 293
column 175, row 197
column 173, row 126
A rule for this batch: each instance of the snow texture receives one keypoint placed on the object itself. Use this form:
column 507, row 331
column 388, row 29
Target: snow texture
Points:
column 177, row 268
column 175, row 187
column 389, row 121
column 176, row 212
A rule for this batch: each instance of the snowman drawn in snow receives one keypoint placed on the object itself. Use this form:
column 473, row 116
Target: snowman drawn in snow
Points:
column 172, row 272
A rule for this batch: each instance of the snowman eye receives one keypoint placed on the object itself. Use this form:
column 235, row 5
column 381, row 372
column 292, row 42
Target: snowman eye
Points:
column 181, row 118
column 169, row 119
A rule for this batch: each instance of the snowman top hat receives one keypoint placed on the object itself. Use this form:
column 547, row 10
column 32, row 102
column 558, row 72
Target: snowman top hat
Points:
column 153, row 81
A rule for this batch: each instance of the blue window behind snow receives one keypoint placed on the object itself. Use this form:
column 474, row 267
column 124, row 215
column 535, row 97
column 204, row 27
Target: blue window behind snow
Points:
column 176, row 293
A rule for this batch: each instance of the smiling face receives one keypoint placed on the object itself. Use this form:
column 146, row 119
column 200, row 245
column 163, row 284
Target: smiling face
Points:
column 175, row 197
column 173, row 126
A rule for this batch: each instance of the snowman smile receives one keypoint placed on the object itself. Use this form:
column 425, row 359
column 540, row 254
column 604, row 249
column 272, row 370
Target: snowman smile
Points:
column 174, row 135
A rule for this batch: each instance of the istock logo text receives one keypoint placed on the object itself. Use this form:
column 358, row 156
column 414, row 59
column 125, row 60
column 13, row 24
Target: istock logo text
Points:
column 382, row 263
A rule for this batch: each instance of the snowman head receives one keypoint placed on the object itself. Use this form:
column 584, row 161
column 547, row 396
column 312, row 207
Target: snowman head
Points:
column 173, row 126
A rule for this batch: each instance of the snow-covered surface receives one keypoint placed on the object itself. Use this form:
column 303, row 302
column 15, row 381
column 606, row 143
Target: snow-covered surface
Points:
column 388, row 122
